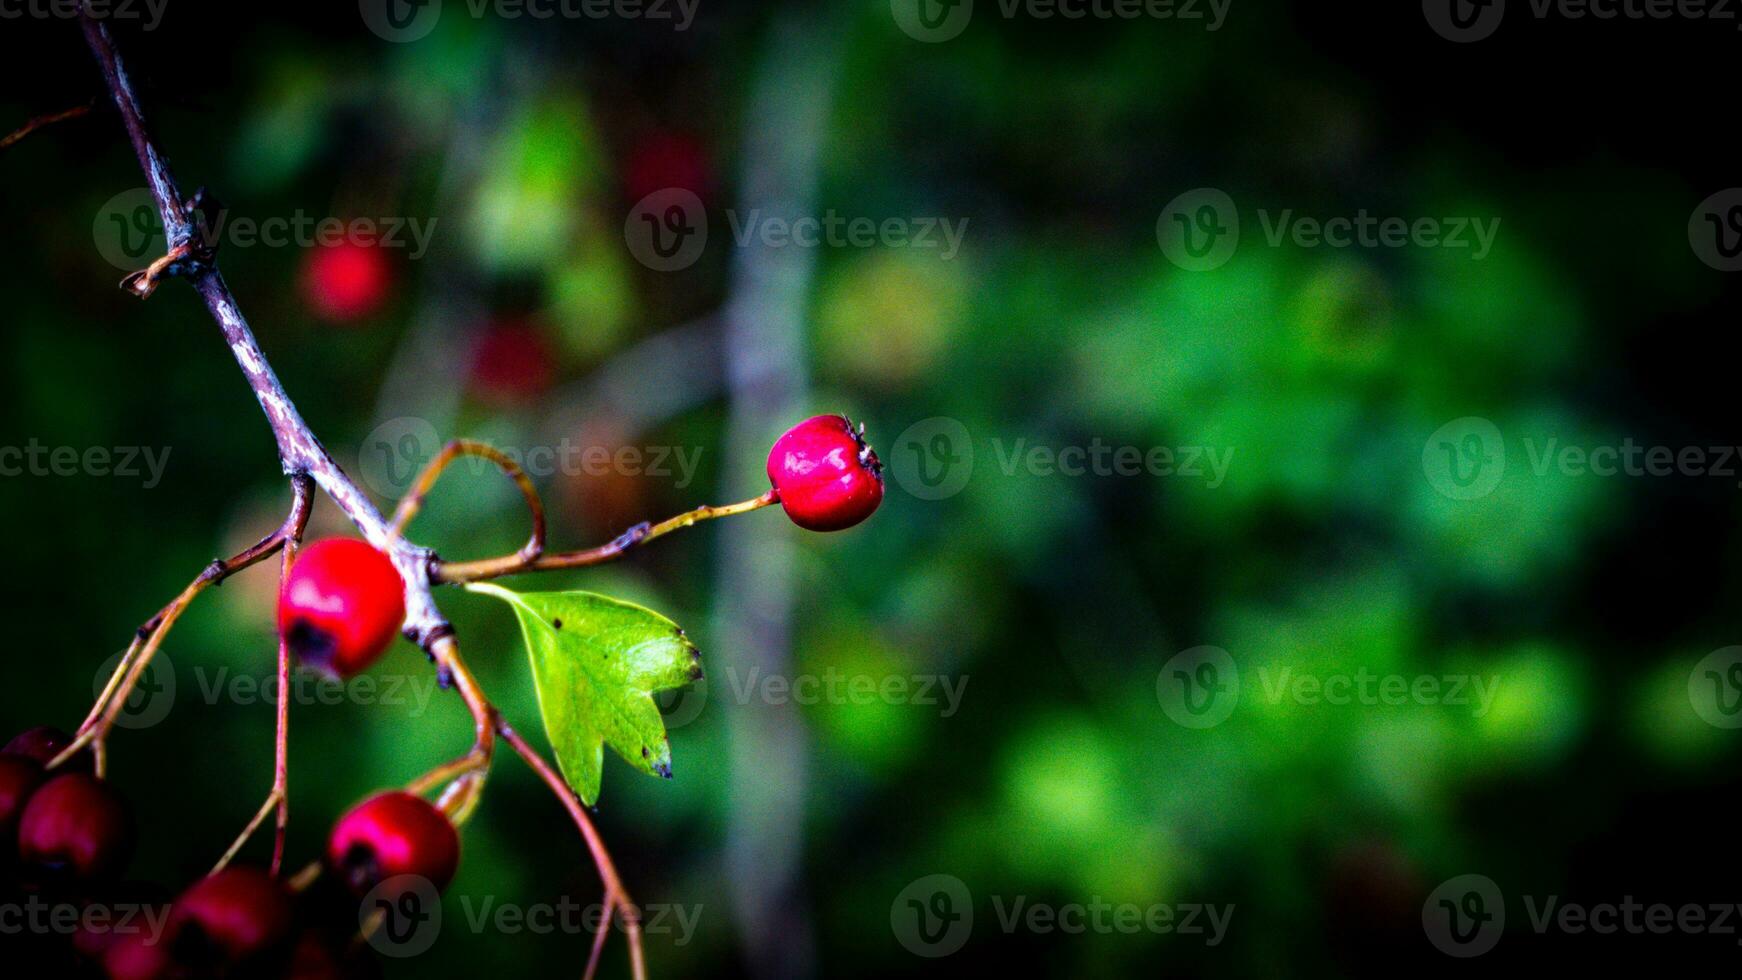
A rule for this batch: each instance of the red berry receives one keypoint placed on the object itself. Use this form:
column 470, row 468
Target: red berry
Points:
column 340, row 605
column 393, row 833
column 228, row 918
column 114, row 914
column 75, row 827
column 345, row 281
column 826, row 475
column 665, row 160
column 43, row 743
column 512, row 364
column 138, row 956
column 19, row 777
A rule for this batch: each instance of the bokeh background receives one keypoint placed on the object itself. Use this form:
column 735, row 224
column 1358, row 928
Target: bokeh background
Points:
column 1061, row 608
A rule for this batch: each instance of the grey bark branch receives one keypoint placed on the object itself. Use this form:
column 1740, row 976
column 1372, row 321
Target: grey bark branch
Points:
column 299, row 451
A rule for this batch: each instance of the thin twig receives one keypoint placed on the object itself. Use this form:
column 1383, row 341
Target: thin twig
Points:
column 97, row 725
column 44, row 120
column 614, row 892
column 412, row 502
column 444, row 573
column 304, row 458
column 278, row 798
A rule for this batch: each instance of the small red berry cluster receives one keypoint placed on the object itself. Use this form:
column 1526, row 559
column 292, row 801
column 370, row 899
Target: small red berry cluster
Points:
column 65, row 840
column 66, row 835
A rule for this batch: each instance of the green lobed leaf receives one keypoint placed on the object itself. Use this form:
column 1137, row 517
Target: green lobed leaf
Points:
column 596, row 663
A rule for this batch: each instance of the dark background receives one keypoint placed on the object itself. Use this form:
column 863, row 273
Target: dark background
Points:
column 1060, row 599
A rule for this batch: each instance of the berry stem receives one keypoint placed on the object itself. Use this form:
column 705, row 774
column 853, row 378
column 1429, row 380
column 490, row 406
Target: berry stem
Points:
column 307, row 462
column 489, row 568
column 101, row 719
column 615, row 895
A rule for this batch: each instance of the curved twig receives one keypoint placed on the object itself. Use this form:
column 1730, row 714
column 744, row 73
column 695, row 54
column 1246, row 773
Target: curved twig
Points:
column 412, row 502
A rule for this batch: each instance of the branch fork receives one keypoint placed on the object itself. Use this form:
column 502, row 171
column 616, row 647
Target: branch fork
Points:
column 308, row 465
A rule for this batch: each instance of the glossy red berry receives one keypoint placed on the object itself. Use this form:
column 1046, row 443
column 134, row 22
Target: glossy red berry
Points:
column 341, row 605
column 346, row 281
column 228, row 919
column 393, row 833
column 43, row 743
column 75, row 827
column 828, row 478
column 19, row 778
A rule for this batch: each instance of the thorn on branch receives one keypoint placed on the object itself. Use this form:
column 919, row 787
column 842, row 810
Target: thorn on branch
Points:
column 188, row 257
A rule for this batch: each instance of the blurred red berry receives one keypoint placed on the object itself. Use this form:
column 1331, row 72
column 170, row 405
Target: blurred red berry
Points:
column 138, row 955
column 19, row 778
column 393, row 833
column 346, row 281
column 76, row 828
column 827, row 476
column 512, row 364
column 666, row 159
column 228, row 919
column 341, row 605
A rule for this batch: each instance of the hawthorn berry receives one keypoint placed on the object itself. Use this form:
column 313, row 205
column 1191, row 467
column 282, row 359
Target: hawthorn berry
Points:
column 666, row 159
column 340, row 606
column 827, row 477
column 43, row 743
column 19, row 777
column 233, row 917
column 75, row 827
column 512, row 364
column 346, row 281
column 138, row 955
column 393, row 833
